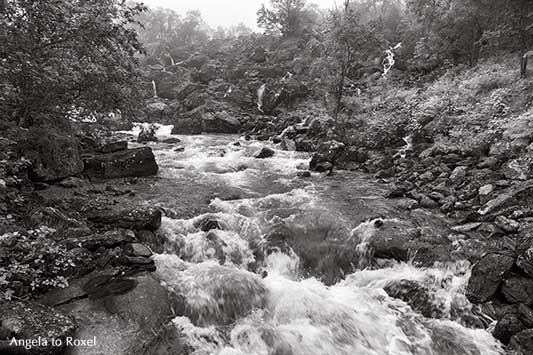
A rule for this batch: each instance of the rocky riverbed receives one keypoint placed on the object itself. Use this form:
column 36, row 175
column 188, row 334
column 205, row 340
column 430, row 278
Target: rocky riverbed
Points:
column 236, row 247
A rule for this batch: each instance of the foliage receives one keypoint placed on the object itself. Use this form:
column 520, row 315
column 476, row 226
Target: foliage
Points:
column 57, row 55
column 288, row 17
column 349, row 43
column 35, row 262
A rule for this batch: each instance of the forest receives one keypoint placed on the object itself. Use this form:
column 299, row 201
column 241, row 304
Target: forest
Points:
column 347, row 180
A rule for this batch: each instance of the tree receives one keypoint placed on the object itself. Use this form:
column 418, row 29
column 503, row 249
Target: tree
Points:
column 285, row 16
column 349, row 43
column 60, row 55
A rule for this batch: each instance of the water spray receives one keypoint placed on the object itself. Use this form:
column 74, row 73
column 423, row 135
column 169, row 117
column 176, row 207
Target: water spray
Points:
column 389, row 60
column 260, row 93
column 154, row 89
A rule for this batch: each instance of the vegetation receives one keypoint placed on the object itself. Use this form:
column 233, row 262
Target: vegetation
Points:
column 58, row 56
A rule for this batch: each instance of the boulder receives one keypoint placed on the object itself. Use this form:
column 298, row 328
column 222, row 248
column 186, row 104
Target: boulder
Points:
column 518, row 289
column 327, row 155
column 137, row 218
column 187, row 126
column 458, row 175
column 265, row 152
column 126, row 315
column 158, row 112
column 172, row 140
column 53, row 156
column 525, row 257
column 487, row 276
column 507, row 224
column 189, row 123
column 132, row 162
column 518, row 169
column 508, row 326
column 208, row 72
column 23, row 320
column 520, row 195
column 147, row 134
column 522, row 343
column 220, row 122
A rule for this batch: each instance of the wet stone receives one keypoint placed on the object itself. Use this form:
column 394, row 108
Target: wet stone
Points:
column 264, row 153
column 487, row 275
column 138, row 249
column 517, row 289
column 522, row 343
column 508, row 326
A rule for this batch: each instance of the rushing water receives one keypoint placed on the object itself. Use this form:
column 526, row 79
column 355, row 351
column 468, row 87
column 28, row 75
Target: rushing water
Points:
column 240, row 303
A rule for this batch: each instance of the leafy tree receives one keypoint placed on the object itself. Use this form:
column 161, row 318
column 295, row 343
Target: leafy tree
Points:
column 285, row 16
column 349, row 43
column 166, row 34
column 59, row 55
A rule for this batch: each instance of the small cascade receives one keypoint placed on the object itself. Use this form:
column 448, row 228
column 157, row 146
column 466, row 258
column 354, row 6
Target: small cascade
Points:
column 228, row 92
column 407, row 148
column 389, row 60
column 260, row 93
column 154, row 89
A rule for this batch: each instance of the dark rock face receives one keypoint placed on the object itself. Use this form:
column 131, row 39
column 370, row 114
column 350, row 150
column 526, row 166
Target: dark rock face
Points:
column 220, row 122
column 522, row 343
column 132, row 162
column 487, row 275
column 187, row 126
column 525, row 257
column 53, row 156
column 517, row 289
column 189, row 123
column 139, row 218
column 126, row 315
column 506, row 327
column 265, row 152
column 25, row 320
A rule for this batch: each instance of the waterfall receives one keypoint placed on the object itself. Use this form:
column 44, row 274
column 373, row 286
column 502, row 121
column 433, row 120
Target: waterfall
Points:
column 389, row 61
column 260, row 93
column 154, row 88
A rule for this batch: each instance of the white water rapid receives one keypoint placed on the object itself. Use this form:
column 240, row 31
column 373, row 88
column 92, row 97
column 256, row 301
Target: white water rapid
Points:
column 247, row 290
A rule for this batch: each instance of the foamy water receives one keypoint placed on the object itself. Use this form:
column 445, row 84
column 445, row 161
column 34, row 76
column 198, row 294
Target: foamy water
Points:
column 247, row 294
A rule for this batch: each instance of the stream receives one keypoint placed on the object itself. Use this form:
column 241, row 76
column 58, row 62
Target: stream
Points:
column 248, row 293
